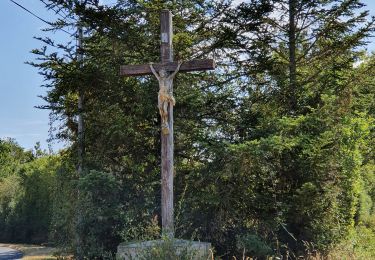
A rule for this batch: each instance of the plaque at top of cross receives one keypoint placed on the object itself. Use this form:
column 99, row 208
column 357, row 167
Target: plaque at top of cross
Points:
column 165, row 72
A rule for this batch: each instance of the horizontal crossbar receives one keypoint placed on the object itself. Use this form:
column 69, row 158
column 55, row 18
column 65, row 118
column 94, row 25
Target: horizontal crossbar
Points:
column 144, row 69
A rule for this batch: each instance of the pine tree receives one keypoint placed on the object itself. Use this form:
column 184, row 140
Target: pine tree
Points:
column 297, row 120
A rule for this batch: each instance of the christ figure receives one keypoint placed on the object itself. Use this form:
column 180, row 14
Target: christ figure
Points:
column 165, row 96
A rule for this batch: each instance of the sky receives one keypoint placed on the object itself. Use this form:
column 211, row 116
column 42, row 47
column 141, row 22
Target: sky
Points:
column 20, row 84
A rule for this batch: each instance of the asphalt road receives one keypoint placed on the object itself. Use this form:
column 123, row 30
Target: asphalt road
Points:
column 9, row 254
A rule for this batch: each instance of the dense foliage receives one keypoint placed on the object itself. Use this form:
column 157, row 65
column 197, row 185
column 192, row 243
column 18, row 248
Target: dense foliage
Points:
column 274, row 150
column 27, row 182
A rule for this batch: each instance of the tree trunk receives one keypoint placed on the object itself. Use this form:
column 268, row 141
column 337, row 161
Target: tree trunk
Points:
column 291, row 93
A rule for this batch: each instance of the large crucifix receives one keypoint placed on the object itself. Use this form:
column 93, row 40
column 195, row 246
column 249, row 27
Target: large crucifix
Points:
column 162, row 71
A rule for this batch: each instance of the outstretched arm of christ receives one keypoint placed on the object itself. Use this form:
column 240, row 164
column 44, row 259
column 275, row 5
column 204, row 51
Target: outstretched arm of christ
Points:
column 154, row 72
column 177, row 69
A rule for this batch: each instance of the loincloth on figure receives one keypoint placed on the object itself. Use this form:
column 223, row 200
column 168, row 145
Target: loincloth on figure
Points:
column 164, row 96
column 164, row 99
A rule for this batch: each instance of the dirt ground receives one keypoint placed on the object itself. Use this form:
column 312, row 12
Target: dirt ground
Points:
column 35, row 252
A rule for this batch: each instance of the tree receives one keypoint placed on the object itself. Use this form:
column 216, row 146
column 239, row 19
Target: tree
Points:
column 26, row 185
column 269, row 150
column 122, row 130
column 297, row 119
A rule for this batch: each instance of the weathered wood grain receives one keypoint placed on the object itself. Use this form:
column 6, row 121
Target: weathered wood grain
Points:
column 167, row 145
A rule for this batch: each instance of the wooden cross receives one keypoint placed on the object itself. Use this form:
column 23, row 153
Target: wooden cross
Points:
column 166, row 51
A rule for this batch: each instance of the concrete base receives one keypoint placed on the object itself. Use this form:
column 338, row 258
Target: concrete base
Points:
column 160, row 249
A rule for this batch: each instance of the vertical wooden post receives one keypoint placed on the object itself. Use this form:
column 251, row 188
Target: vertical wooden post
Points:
column 167, row 170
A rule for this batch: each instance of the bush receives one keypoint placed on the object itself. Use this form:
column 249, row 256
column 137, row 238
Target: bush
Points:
column 253, row 245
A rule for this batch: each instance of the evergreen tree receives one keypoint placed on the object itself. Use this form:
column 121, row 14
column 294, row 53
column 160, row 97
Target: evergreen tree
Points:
column 301, row 156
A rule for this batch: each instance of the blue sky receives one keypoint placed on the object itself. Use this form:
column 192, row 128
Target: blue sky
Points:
column 20, row 83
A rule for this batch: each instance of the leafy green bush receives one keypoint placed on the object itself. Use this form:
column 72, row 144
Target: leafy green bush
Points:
column 253, row 245
column 97, row 215
column 26, row 185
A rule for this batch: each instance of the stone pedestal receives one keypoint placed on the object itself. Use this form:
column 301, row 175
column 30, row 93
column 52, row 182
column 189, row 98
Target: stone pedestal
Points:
column 158, row 249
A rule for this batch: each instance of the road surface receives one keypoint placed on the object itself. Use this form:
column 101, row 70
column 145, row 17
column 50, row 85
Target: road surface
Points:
column 7, row 253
